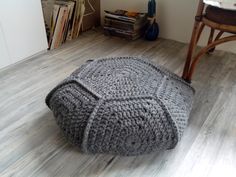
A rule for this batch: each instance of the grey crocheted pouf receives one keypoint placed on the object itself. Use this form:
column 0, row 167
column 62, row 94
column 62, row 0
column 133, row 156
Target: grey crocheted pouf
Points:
column 124, row 106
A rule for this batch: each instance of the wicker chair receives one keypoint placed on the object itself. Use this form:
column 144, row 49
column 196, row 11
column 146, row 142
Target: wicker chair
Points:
column 217, row 19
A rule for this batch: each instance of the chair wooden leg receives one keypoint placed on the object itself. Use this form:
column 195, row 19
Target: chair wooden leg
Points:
column 204, row 50
column 210, row 40
column 197, row 30
column 200, row 32
column 217, row 37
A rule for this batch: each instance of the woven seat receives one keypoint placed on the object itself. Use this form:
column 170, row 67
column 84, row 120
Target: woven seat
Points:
column 222, row 16
column 125, row 106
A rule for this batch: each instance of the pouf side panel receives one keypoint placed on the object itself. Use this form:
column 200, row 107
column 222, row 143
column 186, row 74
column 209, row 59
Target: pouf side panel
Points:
column 176, row 94
column 71, row 78
column 72, row 106
column 130, row 127
column 178, row 99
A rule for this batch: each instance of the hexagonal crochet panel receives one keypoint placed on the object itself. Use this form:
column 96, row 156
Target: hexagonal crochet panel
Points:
column 125, row 106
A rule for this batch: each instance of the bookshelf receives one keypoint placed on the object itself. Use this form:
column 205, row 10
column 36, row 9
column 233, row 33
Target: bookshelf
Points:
column 65, row 20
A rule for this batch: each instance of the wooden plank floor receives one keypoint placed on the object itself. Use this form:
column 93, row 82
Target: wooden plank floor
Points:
column 32, row 145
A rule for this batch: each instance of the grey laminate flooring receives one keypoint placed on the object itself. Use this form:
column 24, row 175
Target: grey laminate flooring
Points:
column 32, row 145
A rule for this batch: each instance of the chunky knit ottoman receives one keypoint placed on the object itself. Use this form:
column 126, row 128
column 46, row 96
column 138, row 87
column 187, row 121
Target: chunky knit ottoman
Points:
column 124, row 106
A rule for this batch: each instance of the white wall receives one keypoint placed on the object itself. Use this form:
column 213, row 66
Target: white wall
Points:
column 4, row 55
column 175, row 17
column 22, row 28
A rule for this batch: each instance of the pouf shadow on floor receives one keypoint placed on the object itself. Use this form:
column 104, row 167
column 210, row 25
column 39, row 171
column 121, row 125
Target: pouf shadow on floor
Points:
column 123, row 106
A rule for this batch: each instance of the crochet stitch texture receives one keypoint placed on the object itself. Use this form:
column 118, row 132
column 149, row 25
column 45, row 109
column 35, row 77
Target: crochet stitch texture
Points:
column 123, row 106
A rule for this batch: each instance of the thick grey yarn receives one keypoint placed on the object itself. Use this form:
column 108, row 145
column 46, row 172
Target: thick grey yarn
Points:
column 124, row 106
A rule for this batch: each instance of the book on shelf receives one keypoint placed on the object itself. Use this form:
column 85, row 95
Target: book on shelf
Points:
column 109, row 22
column 129, row 25
column 130, row 35
column 133, row 17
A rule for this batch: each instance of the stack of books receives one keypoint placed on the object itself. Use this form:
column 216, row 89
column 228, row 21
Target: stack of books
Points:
column 66, row 21
column 121, row 23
